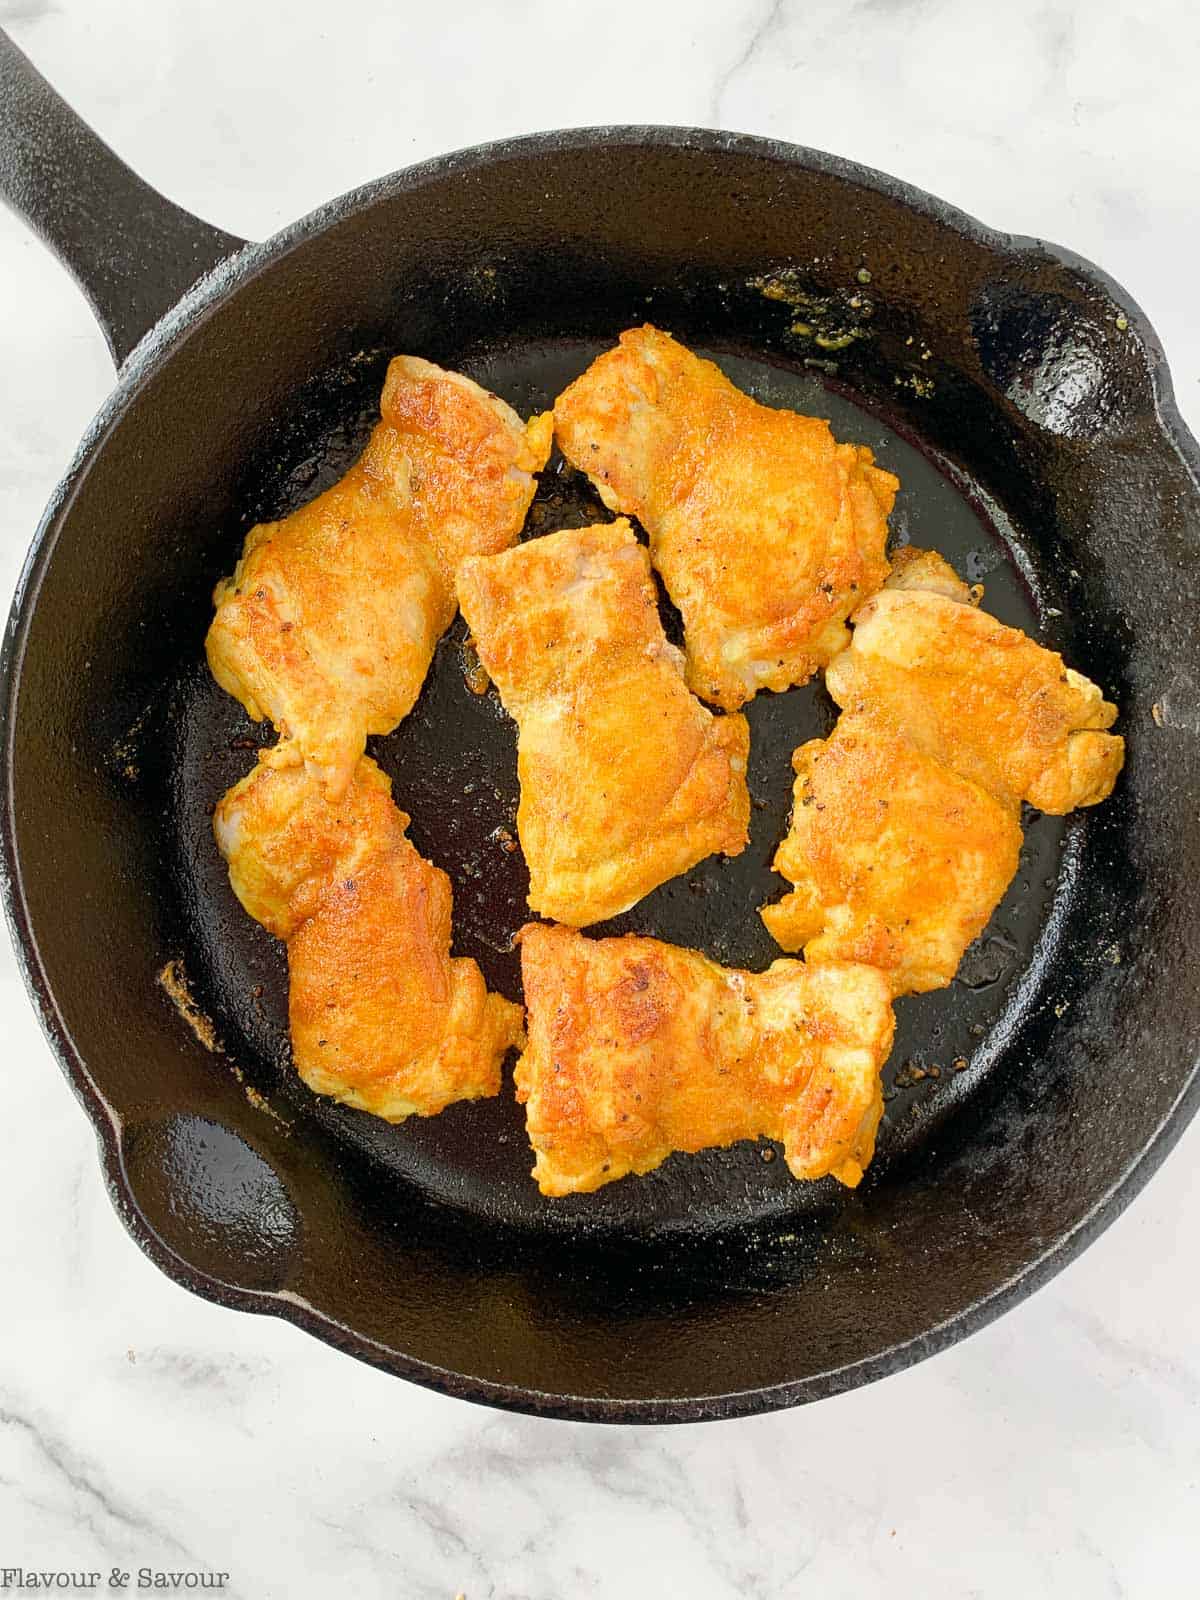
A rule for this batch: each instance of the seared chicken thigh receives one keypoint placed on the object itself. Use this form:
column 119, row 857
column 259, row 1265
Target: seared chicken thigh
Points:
column 329, row 621
column 626, row 779
column 638, row 1048
column 382, row 1018
column 905, row 829
column 896, row 860
column 982, row 698
column 766, row 530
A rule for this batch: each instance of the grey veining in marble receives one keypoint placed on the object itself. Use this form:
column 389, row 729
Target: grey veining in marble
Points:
column 1055, row 1453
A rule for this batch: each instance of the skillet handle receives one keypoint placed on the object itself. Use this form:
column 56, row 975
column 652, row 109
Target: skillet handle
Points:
column 131, row 250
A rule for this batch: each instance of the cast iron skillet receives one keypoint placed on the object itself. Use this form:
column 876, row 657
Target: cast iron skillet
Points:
column 1024, row 401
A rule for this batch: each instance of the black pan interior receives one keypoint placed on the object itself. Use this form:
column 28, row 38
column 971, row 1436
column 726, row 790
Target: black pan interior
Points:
column 453, row 766
column 1024, row 424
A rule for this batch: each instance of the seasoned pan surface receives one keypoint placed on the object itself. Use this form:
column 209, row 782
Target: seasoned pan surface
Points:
column 453, row 766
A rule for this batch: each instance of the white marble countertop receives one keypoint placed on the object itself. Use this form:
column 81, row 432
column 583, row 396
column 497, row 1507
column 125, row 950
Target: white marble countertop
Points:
column 1056, row 1452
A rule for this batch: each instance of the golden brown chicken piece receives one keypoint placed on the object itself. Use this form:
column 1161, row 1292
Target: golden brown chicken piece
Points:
column 638, row 1048
column 926, row 569
column 897, row 861
column 905, row 829
column 983, row 699
column 381, row 1017
column 626, row 779
column 329, row 621
column 767, row 532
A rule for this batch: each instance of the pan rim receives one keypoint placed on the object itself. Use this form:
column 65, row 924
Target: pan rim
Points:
column 205, row 299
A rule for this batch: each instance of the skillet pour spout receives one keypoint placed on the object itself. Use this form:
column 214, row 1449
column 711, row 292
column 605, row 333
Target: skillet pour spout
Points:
column 1023, row 400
